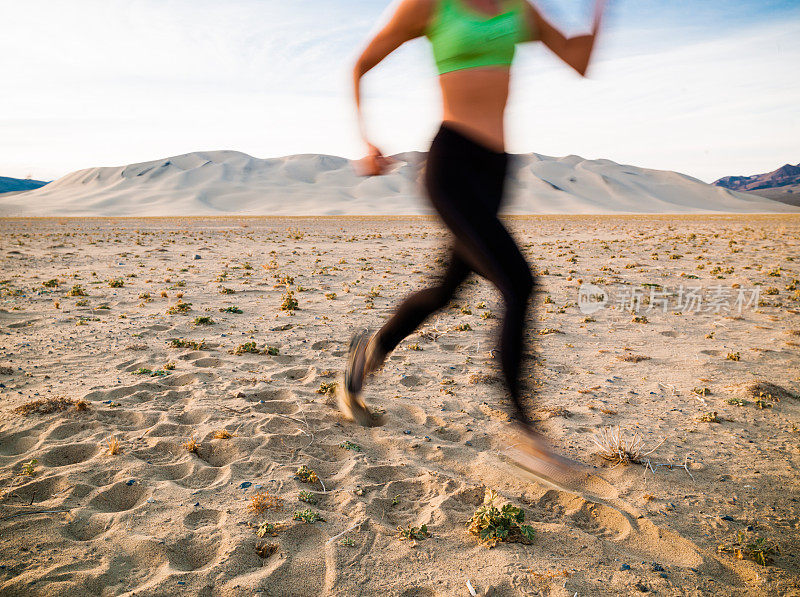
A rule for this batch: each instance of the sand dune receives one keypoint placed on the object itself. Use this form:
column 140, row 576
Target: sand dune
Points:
column 234, row 183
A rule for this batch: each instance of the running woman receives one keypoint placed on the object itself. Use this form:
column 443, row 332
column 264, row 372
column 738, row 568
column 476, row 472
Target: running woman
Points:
column 473, row 45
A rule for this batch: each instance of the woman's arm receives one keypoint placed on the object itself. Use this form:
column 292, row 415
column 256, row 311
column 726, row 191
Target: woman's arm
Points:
column 575, row 51
column 408, row 22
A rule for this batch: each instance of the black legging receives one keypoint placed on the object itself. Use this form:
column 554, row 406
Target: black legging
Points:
column 464, row 182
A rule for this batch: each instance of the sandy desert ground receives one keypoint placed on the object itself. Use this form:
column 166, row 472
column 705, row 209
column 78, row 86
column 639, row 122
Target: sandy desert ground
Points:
column 138, row 331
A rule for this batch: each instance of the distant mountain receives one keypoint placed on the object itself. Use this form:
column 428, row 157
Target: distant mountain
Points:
column 234, row 183
column 781, row 185
column 10, row 185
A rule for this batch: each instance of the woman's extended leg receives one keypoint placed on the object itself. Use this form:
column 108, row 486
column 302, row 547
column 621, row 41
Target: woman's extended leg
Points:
column 465, row 183
column 418, row 306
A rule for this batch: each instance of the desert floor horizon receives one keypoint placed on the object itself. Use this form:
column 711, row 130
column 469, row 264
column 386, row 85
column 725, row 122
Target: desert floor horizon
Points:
column 168, row 385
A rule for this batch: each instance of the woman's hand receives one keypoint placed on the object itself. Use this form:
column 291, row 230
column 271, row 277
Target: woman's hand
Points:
column 575, row 51
column 374, row 164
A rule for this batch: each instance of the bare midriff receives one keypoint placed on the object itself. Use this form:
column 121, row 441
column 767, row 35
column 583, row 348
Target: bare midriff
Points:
column 474, row 103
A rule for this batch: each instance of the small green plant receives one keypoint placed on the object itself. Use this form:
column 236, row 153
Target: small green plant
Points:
column 736, row 402
column 413, row 533
column 29, row 468
column 246, row 348
column 396, row 500
column 306, row 475
column 269, row 528
column 462, row 327
column 330, row 295
column 702, row 391
column 203, row 321
column 224, row 290
column 347, row 542
column 414, row 346
column 50, row 284
column 487, row 315
column 733, row 356
column 116, row 283
column 327, row 387
column 480, row 305
column 307, row 497
column 348, row 445
column 272, row 350
column 76, row 290
column 289, row 303
column 143, row 371
column 307, row 516
column 492, row 525
column 231, row 310
column 179, row 308
column 183, row 343
column 82, row 303
column 710, row 417
column 639, row 319
column 466, row 310
column 758, row 549
column 547, row 331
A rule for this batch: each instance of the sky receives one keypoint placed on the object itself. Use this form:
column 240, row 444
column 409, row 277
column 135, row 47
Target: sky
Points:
column 704, row 87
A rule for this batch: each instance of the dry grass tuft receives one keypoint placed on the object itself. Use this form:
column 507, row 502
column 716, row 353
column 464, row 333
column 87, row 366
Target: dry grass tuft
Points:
column 769, row 391
column 223, row 434
column 81, row 406
column 263, row 501
column 710, row 417
column 45, row 406
column 265, row 550
column 633, row 358
column 114, row 447
column 192, row 446
column 615, row 448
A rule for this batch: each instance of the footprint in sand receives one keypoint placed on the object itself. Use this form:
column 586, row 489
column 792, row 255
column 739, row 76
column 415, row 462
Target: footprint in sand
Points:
column 85, row 528
column 118, row 498
column 192, row 553
column 17, row 443
column 69, row 454
column 302, row 567
column 299, row 374
column 202, row 518
column 621, row 524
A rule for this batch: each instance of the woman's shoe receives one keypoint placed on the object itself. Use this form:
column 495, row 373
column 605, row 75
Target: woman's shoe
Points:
column 362, row 359
column 530, row 453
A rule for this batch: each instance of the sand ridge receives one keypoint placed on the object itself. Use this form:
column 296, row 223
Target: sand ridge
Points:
column 231, row 182
column 159, row 519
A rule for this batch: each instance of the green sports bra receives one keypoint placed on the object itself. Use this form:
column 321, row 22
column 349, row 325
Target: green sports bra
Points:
column 464, row 38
